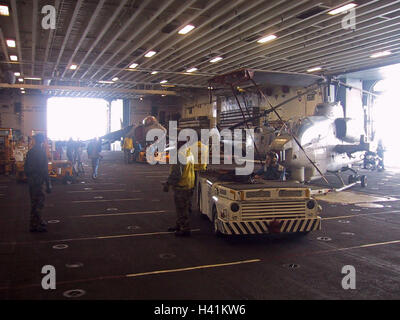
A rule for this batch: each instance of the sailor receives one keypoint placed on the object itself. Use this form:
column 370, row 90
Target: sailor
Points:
column 36, row 170
column 181, row 179
column 127, row 147
column 380, row 151
column 93, row 151
column 200, row 164
column 271, row 170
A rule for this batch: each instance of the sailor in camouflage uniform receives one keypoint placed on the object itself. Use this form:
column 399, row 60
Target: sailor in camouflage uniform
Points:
column 37, row 173
column 181, row 179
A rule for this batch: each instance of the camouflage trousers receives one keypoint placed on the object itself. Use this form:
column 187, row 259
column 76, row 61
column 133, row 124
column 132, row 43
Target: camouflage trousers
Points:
column 182, row 200
column 37, row 203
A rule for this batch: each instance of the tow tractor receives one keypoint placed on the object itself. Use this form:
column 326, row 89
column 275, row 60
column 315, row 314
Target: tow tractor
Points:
column 239, row 205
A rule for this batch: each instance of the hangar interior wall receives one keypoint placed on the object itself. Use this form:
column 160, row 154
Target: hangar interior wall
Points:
column 305, row 106
column 163, row 108
column 23, row 112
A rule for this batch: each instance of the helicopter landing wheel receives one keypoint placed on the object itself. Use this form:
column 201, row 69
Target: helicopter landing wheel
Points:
column 363, row 181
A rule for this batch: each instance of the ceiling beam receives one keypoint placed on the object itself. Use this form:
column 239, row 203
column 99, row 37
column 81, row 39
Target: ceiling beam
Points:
column 119, row 33
column 87, row 29
column 87, row 89
column 49, row 39
column 102, row 33
column 34, row 29
column 145, row 39
column 66, row 37
column 16, row 30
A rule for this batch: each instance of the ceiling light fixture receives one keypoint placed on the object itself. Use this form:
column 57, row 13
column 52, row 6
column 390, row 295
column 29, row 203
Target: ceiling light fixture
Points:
column 73, row 67
column 314, row 69
column 105, row 82
column 13, row 57
column 38, row 79
column 186, row 29
column 267, row 38
column 150, row 54
column 133, row 66
column 11, row 43
column 17, row 74
column 216, row 59
column 4, row 11
column 381, row 54
column 21, row 80
column 163, row 81
column 115, row 79
column 342, row 9
column 154, row 72
column 192, row 69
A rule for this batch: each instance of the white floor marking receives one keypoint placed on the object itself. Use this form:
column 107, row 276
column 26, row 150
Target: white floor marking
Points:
column 119, row 214
column 114, row 190
column 110, row 200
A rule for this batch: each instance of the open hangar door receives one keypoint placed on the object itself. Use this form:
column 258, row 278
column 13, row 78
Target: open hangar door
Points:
column 380, row 109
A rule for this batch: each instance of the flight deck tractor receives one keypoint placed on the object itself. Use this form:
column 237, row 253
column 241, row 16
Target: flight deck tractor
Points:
column 239, row 205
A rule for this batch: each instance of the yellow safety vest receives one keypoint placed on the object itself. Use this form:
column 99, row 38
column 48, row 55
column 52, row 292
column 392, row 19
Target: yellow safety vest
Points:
column 128, row 143
column 202, row 156
column 187, row 179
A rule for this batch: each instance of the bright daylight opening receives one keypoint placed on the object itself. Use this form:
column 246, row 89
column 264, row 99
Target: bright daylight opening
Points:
column 387, row 114
column 76, row 118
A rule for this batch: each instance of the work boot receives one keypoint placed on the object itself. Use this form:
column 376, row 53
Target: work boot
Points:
column 183, row 233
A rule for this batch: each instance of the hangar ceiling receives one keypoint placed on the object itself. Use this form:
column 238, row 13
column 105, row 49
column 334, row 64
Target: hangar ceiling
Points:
column 105, row 38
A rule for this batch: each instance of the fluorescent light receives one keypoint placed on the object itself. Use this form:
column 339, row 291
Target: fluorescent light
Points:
column 4, row 10
column 163, row 95
column 73, row 67
column 186, row 29
column 17, row 74
column 154, row 72
column 191, row 69
column 314, row 69
column 380, row 54
column 342, row 9
column 133, row 66
column 21, row 80
column 38, row 79
column 13, row 57
column 115, row 79
column 163, row 81
column 267, row 38
column 150, row 54
column 11, row 43
column 216, row 59
column 22, row 88
column 105, row 82
column 23, row 92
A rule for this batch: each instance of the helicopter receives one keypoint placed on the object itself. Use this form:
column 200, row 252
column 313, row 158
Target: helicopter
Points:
column 311, row 146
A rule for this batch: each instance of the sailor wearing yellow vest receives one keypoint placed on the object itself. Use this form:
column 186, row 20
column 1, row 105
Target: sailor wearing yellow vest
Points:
column 127, row 147
column 181, row 178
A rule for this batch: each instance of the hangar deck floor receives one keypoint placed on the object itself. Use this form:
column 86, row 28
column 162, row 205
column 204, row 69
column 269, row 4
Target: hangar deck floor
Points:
column 119, row 248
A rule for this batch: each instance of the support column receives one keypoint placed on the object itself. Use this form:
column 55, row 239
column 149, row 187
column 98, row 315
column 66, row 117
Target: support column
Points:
column 108, row 116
